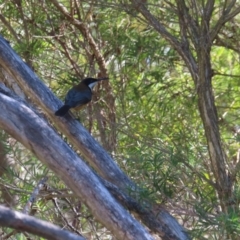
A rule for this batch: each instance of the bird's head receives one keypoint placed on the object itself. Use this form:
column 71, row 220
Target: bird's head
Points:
column 90, row 82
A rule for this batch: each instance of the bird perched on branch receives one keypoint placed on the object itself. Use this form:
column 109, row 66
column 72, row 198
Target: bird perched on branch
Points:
column 79, row 95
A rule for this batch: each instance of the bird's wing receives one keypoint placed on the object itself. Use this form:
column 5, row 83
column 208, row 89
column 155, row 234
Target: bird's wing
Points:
column 77, row 98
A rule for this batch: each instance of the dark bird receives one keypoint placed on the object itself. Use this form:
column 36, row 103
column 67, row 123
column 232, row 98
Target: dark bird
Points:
column 79, row 95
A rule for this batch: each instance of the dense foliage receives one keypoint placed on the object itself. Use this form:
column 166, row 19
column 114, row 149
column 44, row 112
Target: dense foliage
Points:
column 147, row 118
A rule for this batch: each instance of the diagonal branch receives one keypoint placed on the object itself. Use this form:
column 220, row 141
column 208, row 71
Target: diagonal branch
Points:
column 10, row 28
column 226, row 16
column 72, row 129
column 208, row 10
column 36, row 90
column 85, row 32
column 176, row 44
column 34, row 195
column 149, row 218
column 34, row 133
column 24, row 222
column 187, row 23
column 83, row 28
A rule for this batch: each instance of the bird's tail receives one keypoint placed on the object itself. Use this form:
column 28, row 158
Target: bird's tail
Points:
column 62, row 110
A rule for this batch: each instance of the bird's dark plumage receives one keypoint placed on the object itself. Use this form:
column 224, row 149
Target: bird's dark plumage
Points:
column 62, row 110
column 79, row 95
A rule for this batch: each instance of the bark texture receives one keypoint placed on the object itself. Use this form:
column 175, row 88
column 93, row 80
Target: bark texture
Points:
column 36, row 134
column 23, row 222
column 201, row 36
column 165, row 225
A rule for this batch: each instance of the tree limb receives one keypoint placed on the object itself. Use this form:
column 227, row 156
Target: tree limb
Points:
column 83, row 28
column 42, row 96
column 72, row 129
column 24, row 222
column 33, row 132
column 226, row 16
column 176, row 44
column 34, row 195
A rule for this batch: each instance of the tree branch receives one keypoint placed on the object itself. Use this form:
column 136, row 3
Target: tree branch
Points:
column 23, row 222
column 226, row 16
column 34, row 133
column 83, row 28
column 176, row 44
column 72, row 129
column 150, row 218
column 10, row 28
column 85, row 32
column 34, row 195
column 42, row 96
